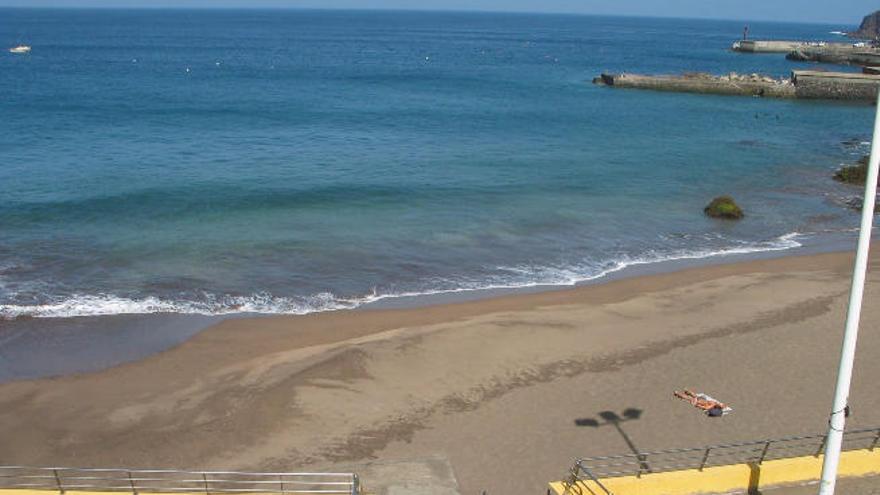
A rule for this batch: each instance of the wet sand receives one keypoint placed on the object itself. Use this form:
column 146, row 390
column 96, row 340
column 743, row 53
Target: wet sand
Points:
column 495, row 386
column 43, row 347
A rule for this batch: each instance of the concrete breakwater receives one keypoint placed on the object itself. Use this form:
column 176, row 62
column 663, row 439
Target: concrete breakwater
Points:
column 778, row 46
column 802, row 84
column 732, row 84
column 861, row 53
column 835, row 85
column 848, row 54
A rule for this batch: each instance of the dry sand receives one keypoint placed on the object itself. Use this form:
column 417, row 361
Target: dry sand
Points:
column 495, row 386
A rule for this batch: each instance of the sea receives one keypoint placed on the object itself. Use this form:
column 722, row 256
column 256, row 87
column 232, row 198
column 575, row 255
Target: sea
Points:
column 221, row 162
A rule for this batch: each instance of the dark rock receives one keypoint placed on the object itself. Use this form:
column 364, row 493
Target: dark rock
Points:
column 870, row 27
column 854, row 174
column 724, row 207
column 857, row 202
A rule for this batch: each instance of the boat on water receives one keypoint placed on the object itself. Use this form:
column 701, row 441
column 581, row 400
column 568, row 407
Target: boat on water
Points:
column 20, row 49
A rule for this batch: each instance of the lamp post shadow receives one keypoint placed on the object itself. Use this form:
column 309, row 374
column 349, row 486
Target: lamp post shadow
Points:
column 613, row 419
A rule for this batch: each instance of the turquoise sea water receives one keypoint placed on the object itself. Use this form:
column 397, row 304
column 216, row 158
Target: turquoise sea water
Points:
column 292, row 161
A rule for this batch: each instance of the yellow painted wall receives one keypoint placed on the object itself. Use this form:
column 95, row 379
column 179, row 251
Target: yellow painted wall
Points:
column 78, row 492
column 739, row 477
column 82, row 492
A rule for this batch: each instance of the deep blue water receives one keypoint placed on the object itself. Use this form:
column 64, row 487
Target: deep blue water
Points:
column 288, row 161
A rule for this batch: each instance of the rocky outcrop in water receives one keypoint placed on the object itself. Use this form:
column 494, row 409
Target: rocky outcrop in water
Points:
column 724, row 207
column 854, row 174
column 857, row 203
column 870, row 27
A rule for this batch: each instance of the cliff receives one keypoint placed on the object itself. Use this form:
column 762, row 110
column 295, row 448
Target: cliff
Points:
column 870, row 27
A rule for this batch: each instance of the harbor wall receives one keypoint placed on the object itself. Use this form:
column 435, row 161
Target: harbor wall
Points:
column 849, row 55
column 835, row 85
column 781, row 46
column 705, row 85
column 802, row 85
column 755, row 46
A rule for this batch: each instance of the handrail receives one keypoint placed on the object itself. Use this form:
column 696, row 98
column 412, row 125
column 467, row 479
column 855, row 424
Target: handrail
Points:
column 136, row 481
column 593, row 469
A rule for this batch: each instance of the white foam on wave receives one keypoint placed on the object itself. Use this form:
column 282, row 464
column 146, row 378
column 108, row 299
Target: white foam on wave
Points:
column 510, row 277
column 108, row 304
column 526, row 276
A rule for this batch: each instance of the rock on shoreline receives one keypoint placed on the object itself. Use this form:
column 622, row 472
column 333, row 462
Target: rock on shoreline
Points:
column 854, row 174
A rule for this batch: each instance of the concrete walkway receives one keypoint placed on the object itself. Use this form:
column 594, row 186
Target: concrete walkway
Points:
column 428, row 476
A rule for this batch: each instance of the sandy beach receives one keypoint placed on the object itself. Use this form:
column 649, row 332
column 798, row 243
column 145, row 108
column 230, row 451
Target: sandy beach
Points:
column 494, row 386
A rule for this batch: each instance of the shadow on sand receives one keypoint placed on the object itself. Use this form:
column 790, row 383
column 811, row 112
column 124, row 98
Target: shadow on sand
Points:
column 611, row 418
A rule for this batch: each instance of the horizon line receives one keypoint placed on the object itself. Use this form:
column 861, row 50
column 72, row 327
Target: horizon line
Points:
column 410, row 10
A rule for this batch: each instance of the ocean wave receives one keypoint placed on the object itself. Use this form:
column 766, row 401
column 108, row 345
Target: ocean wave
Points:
column 569, row 276
column 108, row 304
column 505, row 277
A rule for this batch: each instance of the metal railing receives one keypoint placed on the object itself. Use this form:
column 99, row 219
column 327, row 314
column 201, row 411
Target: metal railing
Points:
column 135, row 481
column 584, row 478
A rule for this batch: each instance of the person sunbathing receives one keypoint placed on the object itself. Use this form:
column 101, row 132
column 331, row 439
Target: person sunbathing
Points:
column 710, row 406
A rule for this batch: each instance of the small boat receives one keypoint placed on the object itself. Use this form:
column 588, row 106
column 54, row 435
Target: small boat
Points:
column 20, row 49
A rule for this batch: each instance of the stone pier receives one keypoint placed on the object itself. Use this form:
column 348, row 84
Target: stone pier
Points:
column 802, row 85
column 777, row 46
column 703, row 83
column 835, row 85
column 848, row 55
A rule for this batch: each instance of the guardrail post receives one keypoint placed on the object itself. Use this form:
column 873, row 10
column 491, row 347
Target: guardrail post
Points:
column 355, row 484
column 643, row 465
column 281, row 481
column 131, row 482
column 705, row 458
column 573, row 475
column 58, row 481
column 764, row 452
column 576, row 489
column 876, row 440
column 205, row 479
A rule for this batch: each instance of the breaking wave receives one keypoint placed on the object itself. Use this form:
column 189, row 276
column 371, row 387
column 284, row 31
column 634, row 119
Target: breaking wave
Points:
column 503, row 277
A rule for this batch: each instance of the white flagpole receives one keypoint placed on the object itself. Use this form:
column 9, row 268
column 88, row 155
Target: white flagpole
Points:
column 847, row 355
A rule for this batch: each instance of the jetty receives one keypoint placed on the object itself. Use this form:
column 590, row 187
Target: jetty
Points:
column 819, row 85
column 847, row 55
column 777, row 46
column 858, row 53
column 732, row 84
column 803, row 84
